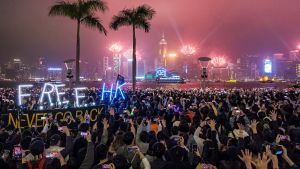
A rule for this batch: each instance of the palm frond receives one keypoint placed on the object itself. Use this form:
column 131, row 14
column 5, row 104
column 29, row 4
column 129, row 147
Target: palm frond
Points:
column 145, row 11
column 93, row 5
column 143, row 25
column 123, row 19
column 63, row 8
column 138, row 17
column 94, row 23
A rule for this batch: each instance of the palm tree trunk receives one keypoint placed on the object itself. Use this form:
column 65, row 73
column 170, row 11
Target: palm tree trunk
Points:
column 78, row 53
column 134, row 61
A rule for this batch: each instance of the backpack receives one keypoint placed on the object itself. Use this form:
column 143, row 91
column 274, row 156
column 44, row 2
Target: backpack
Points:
column 41, row 164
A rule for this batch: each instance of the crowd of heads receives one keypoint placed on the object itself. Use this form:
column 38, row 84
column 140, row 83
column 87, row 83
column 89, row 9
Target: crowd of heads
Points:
column 165, row 128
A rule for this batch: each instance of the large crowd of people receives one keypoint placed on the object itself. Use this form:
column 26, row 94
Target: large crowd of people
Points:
column 162, row 129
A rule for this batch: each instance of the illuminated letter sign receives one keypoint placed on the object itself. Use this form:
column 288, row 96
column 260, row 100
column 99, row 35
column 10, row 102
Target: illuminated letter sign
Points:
column 20, row 95
column 47, row 92
column 118, row 88
column 106, row 91
column 49, row 88
column 59, row 93
column 78, row 96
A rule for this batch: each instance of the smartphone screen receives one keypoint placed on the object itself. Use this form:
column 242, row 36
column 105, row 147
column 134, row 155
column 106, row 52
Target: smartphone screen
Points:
column 283, row 137
column 52, row 155
column 106, row 166
column 132, row 149
column 83, row 134
column 205, row 166
column 17, row 153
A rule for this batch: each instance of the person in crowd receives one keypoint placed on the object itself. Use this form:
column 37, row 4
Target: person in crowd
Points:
column 159, row 129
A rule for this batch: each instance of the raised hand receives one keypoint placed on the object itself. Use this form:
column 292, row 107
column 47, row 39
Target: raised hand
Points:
column 262, row 161
column 273, row 115
column 61, row 159
column 88, row 137
column 105, row 123
column 277, row 140
column 253, row 126
column 163, row 123
column 272, row 157
column 94, row 127
column 66, row 130
column 284, row 151
column 246, row 158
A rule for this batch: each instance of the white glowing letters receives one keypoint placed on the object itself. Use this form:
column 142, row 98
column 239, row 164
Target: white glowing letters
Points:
column 58, row 94
column 49, row 88
column 110, row 92
column 21, row 94
column 77, row 95
column 104, row 91
column 47, row 92
column 118, row 88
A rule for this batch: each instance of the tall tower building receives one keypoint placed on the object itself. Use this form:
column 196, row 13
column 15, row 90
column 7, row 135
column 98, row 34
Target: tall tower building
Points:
column 141, row 68
column 162, row 51
column 106, row 68
column 116, row 49
column 41, row 68
column 294, row 55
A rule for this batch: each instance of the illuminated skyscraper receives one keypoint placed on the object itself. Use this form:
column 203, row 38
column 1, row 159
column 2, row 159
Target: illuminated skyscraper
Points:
column 294, row 55
column 162, row 51
column 141, row 68
column 54, row 73
column 41, row 68
column 116, row 49
column 106, row 68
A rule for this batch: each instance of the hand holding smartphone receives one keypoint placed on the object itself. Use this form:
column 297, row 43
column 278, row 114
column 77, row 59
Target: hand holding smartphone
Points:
column 17, row 153
column 283, row 137
column 52, row 154
column 83, row 134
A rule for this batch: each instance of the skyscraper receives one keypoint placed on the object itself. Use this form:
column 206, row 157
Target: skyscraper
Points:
column 116, row 49
column 294, row 55
column 162, row 52
column 41, row 68
column 141, row 68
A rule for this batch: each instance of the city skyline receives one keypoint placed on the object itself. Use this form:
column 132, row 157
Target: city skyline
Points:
column 227, row 27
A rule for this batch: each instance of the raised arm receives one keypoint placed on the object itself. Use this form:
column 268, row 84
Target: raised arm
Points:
column 89, row 156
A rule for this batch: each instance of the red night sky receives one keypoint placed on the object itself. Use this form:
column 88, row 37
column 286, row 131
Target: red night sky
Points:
column 230, row 27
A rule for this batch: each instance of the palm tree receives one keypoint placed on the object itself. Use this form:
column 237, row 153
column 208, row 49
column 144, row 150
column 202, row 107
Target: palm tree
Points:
column 137, row 18
column 82, row 11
